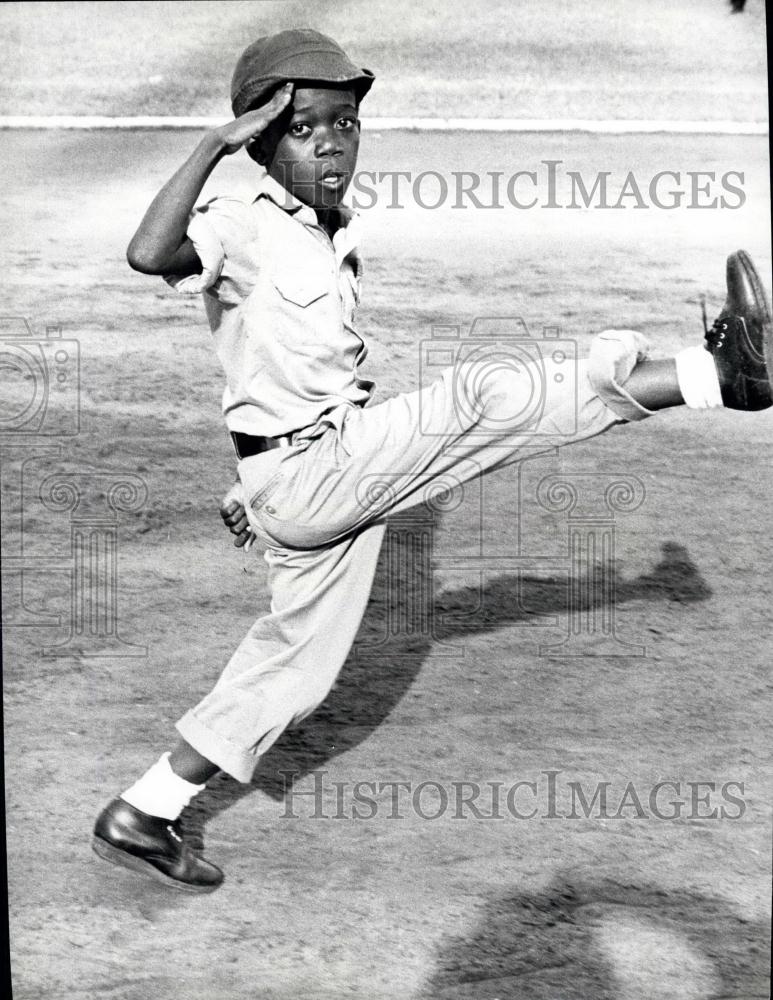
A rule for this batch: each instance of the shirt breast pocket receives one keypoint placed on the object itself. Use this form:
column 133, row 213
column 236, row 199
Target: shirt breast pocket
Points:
column 301, row 289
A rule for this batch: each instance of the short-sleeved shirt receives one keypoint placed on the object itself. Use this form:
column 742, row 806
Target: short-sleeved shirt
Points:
column 280, row 296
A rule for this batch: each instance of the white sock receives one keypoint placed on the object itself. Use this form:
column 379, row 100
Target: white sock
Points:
column 698, row 379
column 161, row 792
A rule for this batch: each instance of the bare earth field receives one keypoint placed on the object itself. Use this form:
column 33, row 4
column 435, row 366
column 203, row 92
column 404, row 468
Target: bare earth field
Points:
column 501, row 58
column 451, row 679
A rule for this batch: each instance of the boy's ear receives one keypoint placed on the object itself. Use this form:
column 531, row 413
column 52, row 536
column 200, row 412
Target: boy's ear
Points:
column 263, row 147
column 256, row 152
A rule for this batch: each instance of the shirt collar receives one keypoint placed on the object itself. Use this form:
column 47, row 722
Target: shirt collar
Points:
column 269, row 188
column 273, row 190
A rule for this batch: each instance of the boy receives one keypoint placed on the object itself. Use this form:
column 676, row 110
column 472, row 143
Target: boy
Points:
column 280, row 280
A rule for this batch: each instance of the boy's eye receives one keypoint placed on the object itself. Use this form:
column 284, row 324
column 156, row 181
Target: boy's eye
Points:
column 300, row 130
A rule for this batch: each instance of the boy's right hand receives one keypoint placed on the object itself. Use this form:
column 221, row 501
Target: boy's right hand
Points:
column 235, row 518
column 250, row 125
column 161, row 244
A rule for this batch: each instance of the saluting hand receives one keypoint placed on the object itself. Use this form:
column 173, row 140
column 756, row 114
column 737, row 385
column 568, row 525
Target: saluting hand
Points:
column 247, row 127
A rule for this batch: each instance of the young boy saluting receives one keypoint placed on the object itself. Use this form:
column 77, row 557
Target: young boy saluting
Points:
column 280, row 278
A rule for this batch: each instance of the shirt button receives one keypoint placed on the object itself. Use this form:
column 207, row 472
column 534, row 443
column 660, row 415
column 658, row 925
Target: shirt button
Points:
column 270, row 509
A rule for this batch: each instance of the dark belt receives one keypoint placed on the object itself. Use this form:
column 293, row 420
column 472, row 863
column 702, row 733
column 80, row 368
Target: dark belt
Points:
column 249, row 444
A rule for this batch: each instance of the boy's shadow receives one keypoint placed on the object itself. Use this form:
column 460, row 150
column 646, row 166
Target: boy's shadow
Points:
column 371, row 685
column 600, row 939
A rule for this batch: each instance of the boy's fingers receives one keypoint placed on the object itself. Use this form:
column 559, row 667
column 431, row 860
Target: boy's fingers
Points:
column 281, row 98
column 235, row 518
column 245, row 540
column 236, row 521
column 271, row 109
column 233, row 511
column 242, row 525
column 247, row 127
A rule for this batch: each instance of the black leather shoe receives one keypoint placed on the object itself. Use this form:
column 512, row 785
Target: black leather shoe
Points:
column 741, row 339
column 151, row 846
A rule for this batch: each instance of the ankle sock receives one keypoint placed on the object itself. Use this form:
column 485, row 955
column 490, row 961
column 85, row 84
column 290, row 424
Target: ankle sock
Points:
column 698, row 379
column 161, row 792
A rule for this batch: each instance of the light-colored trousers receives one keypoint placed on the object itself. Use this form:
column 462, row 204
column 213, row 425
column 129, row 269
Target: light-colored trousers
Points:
column 320, row 505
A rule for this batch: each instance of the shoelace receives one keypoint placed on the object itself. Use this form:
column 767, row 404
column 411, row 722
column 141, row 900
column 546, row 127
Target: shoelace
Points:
column 716, row 334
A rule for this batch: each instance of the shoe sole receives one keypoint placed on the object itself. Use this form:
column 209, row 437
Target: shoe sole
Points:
column 762, row 304
column 118, row 857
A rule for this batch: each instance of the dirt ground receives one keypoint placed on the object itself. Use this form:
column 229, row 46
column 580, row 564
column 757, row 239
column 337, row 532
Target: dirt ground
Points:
column 451, row 679
column 609, row 59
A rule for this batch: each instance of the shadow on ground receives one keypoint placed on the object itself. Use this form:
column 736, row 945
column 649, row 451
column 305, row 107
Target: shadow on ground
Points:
column 604, row 941
column 366, row 691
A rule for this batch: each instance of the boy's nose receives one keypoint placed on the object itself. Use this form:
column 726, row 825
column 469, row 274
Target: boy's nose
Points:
column 328, row 142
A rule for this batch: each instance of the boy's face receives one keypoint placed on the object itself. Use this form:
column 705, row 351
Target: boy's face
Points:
column 311, row 149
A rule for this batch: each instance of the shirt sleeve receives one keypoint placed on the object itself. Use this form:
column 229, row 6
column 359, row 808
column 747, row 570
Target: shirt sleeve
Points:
column 217, row 231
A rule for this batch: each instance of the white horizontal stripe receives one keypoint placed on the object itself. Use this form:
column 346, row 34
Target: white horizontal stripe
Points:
column 603, row 126
column 609, row 126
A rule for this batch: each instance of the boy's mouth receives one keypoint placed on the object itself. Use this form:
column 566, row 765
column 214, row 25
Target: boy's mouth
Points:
column 332, row 178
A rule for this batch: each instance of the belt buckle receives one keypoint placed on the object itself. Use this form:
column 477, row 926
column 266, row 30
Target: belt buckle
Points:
column 267, row 443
